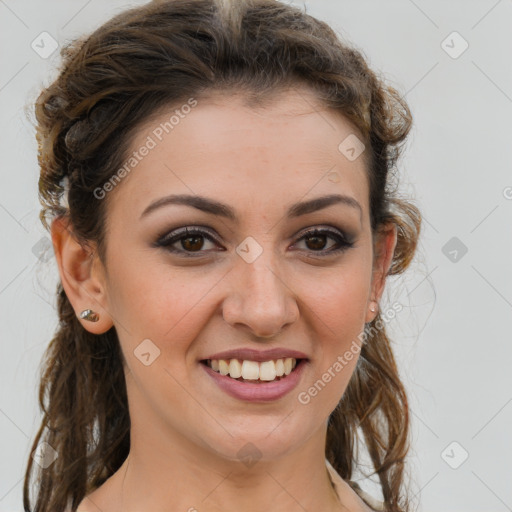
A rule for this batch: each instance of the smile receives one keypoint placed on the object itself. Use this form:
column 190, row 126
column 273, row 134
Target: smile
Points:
column 247, row 370
column 263, row 383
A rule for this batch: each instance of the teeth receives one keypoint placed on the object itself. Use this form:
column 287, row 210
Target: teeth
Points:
column 279, row 367
column 223, row 367
column 235, row 369
column 267, row 370
column 252, row 370
column 287, row 365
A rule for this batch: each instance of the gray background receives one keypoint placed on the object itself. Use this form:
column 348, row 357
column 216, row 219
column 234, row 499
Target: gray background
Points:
column 452, row 339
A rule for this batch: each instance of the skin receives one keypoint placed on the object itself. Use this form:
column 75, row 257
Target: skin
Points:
column 186, row 431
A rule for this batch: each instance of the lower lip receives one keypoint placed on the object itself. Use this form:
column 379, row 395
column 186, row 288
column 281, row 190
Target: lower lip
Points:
column 262, row 392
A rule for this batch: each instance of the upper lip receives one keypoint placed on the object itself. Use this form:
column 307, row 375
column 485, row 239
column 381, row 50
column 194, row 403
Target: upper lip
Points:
column 258, row 355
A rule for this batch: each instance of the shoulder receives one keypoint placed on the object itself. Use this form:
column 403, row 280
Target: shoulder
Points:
column 375, row 505
column 351, row 493
column 100, row 499
column 86, row 505
column 82, row 507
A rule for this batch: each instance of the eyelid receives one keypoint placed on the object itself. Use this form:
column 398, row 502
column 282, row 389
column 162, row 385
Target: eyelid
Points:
column 326, row 228
column 344, row 239
column 169, row 238
column 190, row 229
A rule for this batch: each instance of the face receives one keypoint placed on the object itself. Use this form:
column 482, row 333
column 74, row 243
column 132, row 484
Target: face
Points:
column 270, row 269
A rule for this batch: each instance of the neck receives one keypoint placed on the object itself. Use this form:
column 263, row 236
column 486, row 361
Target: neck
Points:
column 193, row 480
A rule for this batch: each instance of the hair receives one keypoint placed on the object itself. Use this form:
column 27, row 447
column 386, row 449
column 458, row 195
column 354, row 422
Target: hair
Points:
column 132, row 67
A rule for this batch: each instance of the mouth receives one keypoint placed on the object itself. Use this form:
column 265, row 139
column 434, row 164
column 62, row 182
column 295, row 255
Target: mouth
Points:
column 254, row 372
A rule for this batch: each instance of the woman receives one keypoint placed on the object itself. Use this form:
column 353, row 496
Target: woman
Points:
column 216, row 179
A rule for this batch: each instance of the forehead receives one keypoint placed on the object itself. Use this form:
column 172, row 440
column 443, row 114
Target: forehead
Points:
column 257, row 156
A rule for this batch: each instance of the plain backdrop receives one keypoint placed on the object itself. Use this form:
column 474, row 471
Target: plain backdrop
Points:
column 453, row 62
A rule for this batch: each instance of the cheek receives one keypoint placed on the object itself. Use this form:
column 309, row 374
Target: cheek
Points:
column 338, row 307
column 158, row 302
column 337, row 295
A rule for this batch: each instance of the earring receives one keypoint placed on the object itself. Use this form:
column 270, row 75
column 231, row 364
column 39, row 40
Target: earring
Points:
column 372, row 309
column 89, row 314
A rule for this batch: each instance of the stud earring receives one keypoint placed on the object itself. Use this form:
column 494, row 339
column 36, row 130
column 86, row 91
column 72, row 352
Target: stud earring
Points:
column 89, row 314
column 372, row 309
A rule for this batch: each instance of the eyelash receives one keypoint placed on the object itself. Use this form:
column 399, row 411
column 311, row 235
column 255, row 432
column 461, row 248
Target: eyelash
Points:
column 171, row 238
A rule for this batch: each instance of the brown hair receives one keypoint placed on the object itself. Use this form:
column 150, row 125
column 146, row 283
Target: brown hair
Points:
column 139, row 62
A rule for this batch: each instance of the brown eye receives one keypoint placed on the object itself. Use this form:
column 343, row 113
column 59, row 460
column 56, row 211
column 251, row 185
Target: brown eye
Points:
column 316, row 240
column 192, row 241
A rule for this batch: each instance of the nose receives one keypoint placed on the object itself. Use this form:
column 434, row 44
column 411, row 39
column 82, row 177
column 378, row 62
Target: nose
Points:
column 260, row 300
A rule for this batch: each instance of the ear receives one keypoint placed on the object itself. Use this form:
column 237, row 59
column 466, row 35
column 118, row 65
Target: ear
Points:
column 82, row 276
column 384, row 249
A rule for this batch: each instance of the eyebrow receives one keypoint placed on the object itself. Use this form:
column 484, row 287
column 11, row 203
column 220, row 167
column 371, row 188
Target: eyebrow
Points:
column 217, row 208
